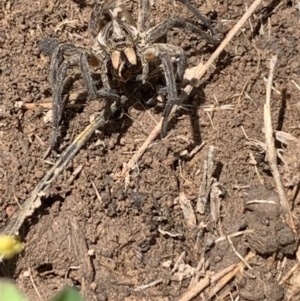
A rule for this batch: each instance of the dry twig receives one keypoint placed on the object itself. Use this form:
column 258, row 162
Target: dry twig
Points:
column 145, row 286
column 237, row 253
column 207, row 181
column 47, row 104
column 187, row 210
column 34, row 285
column 271, row 150
column 217, row 282
column 228, row 277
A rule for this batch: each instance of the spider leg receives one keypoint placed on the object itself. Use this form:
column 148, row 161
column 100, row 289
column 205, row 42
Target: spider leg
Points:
column 145, row 66
column 57, row 79
column 96, row 18
column 161, row 29
column 143, row 15
column 57, row 58
column 104, row 72
column 165, row 53
column 58, row 72
column 176, row 52
column 89, row 83
column 171, row 89
column 195, row 11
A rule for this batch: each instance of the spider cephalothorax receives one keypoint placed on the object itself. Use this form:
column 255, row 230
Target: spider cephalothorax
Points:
column 118, row 36
column 123, row 50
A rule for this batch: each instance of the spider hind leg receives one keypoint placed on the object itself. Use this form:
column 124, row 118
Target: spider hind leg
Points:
column 161, row 29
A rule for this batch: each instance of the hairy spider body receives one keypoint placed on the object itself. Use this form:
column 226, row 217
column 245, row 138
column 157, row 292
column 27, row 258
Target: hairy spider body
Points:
column 123, row 49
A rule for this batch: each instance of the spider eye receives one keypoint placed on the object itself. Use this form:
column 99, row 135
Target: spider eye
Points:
column 119, row 39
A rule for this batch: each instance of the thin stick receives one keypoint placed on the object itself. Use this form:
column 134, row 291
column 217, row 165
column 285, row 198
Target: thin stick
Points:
column 228, row 277
column 75, row 173
column 47, row 102
column 34, row 285
column 132, row 162
column 195, row 290
column 145, row 286
column 270, row 143
column 207, row 181
column 206, row 281
column 289, row 273
column 179, row 260
column 199, row 72
column 237, row 253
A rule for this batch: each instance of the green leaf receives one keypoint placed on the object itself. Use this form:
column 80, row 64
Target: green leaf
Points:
column 68, row 294
column 9, row 292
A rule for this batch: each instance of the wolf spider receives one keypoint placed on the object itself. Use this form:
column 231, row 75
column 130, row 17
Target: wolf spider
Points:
column 122, row 49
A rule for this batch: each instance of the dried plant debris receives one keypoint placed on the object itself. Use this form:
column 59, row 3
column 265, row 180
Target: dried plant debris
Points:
column 207, row 181
column 211, row 192
column 188, row 211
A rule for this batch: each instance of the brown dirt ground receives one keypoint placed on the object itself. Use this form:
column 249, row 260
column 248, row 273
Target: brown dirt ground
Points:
column 121, row 231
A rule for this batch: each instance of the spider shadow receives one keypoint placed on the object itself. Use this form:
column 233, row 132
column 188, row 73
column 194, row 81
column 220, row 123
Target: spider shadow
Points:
column 137, row 94
column 119, row 122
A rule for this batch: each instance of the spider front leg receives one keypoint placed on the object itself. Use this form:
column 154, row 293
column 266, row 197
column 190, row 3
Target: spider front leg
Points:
column 89, row 83
column 58, row 72
column 165, row 53
column 175, row 52
column 57, row 59
column 143, row 15
column 145, row 66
